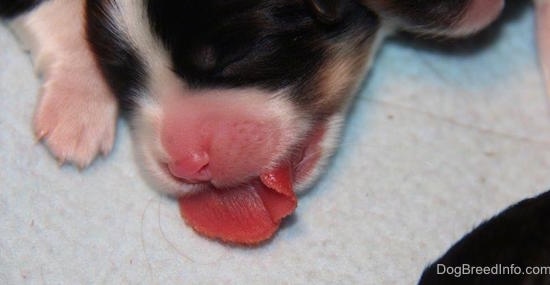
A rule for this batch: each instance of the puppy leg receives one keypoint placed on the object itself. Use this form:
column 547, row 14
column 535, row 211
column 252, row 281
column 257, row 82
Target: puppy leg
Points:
column 543, row 38
column 76, row 114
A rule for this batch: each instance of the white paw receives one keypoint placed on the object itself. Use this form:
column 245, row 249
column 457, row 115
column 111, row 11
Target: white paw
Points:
column 76, row 115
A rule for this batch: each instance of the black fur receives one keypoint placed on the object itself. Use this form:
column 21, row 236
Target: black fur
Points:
column 120, row 63
column 430, row 13
column 12, row 8
column 520, row 235
column 244, row 43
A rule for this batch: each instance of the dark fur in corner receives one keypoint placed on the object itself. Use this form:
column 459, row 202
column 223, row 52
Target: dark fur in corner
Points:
column 520, row 235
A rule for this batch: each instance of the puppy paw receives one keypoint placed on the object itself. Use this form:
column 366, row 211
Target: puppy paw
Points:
column 76, row 115
column 77, row 112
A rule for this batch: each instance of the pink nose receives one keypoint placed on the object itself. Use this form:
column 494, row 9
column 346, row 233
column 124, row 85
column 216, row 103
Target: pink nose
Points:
column 218, row 142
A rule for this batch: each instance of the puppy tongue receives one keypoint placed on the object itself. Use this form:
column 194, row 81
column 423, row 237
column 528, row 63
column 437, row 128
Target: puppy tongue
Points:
column 247, row 214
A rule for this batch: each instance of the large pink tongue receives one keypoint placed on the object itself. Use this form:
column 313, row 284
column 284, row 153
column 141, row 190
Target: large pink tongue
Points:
column 247, row 214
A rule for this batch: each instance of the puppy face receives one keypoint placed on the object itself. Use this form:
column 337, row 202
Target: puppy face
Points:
column 223, row 92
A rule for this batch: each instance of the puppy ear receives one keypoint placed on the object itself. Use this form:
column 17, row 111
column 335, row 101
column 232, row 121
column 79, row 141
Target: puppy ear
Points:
column 327, row 11
column 422, row 16
column 442, row 17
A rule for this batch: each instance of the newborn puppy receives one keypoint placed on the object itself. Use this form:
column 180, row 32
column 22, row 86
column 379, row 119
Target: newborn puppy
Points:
column 507, row 245
column 217, row 91
column 220, row 94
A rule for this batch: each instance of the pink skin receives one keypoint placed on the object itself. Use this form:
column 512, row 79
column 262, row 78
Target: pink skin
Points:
column 223, row 137
column 543, row 37
column 479, row 14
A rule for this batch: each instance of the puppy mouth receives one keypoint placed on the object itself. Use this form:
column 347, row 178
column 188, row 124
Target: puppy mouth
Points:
column 164, row 166
column 250, row 212
column 300, row 163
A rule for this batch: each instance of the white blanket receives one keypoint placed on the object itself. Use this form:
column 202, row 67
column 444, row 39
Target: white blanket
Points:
column 438, row 141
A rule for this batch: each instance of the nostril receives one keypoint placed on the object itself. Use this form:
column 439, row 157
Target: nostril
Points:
column 193, row 168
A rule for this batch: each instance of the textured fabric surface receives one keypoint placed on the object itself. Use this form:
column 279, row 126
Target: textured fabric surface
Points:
column 441, row 137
